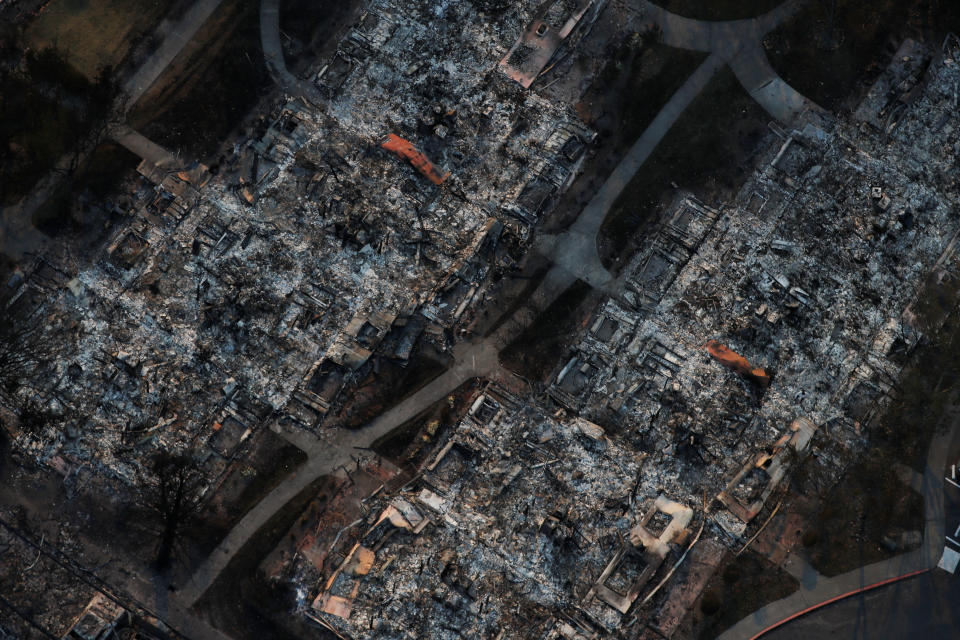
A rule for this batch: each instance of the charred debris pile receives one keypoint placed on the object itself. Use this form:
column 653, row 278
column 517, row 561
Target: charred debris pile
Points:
column 748, row 336
column 340, row 234
column 350, row 229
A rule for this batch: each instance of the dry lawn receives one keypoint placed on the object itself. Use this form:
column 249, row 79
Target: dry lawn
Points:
column 94, row 33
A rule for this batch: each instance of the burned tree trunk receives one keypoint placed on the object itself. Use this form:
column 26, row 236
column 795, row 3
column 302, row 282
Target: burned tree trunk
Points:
column 22, row 350
column 176, row 500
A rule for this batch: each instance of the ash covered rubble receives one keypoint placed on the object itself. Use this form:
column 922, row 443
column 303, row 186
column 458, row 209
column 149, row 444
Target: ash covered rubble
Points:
column 749, row 335
column 255, row 290
column 45, row 596
column 521, row 524
column 38, row 593
column 806, row 278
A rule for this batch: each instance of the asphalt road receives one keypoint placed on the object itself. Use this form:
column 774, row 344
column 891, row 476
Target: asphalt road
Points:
column 926, row 607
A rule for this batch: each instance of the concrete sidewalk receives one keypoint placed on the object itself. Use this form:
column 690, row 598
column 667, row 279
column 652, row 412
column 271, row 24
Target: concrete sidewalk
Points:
column 739, row 44
column 816, row 589
column 574, row 255
column 177, row 37
column 273, row 55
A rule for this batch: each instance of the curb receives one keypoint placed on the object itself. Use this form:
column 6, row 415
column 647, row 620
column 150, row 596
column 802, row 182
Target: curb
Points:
column 837, row 598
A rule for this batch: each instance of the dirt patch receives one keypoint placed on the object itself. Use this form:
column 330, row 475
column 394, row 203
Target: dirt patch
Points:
column 39, row 596
column 411, row 442
column 328, row 519
column 687, row 585
column 832, row 56
column 869, row 503
column 311, row 28
column 271, row 461
column 94, row 33
column 512, row 293
column 210, row 86
column 536, row 351
column 81, row 205
column 927, row 393
column 48, row 110
column 719, row 9
column 871, row 514
column 386, row 384
column 741, row 585
column 708, row 151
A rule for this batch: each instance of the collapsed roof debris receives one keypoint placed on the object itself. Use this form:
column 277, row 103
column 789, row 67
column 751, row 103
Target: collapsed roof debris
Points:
column 513, row 509
column 534, row 521
column 48, row 595
column 538, row 44
column 256, row 292
column 252, row 296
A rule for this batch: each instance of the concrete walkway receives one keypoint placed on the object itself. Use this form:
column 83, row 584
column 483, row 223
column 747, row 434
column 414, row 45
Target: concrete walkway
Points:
column 736, row 43
column 176, row 38
column 725, row 37
column 339, row 448
column 816, row 589
column 143, row 147
column 779, row 99
column 573, row 253
column 739, row 44
column 323, row 462
column 273, row 55
column 576, row 249
column 17, row 233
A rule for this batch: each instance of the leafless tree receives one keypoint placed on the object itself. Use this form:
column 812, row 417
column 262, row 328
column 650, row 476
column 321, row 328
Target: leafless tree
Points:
column 22, row 350
column 175, row 499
